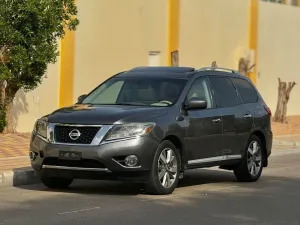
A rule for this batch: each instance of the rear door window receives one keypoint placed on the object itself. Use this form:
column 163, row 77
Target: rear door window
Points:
column 224, row 92
column 246, row 90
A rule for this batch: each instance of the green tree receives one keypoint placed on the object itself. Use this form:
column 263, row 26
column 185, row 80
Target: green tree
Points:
column 29, row 35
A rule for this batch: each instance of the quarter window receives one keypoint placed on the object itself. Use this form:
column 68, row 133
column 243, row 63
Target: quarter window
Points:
column 246, row 90
column 224, row 92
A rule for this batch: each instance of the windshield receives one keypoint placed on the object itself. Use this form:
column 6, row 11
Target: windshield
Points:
column 137, row 91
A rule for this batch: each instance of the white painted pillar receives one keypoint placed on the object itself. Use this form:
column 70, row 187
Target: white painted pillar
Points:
column 154, row 58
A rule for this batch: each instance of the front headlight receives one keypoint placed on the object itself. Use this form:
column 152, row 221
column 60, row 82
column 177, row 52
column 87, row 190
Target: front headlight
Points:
column 41, row 128
column 129, row 130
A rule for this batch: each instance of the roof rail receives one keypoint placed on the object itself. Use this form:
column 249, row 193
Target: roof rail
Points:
column 175, row 69
column 218, row 69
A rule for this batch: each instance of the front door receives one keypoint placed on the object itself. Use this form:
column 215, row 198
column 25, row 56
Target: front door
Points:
column 204, row 128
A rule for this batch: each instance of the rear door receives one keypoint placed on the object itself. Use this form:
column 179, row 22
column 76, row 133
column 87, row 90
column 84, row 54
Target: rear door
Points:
column 252, row 112
column 229, row 104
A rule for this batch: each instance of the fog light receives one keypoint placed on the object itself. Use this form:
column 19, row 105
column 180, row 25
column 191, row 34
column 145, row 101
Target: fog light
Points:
column 131, row 160
column 32, row 156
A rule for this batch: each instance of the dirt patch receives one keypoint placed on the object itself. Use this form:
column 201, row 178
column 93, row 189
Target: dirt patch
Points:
column 292, row 126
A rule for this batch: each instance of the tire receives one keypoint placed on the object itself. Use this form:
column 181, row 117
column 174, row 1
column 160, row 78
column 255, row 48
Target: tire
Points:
column 251, row 166
column 56, row 182
column 169, row 180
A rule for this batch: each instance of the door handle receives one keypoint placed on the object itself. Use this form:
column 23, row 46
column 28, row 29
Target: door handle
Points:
column 248, row 116
column 216, row 120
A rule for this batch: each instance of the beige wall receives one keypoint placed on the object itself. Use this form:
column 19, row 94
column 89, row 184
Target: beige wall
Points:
column 116, row 35
column 213, row 30
column 278, row 52
column 43, row 100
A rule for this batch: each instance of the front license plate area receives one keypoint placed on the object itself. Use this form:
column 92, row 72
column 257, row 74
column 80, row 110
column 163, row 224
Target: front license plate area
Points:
column 70, row 155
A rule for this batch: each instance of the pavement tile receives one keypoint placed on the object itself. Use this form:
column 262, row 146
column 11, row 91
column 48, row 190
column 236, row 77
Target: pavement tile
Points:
column 13, row 145
column 11, row 163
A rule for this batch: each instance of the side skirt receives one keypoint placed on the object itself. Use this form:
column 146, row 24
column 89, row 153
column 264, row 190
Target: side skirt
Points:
column 214, row 161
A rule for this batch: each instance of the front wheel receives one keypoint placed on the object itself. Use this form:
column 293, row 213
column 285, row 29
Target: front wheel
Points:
column 165, row 171
column 250, row 168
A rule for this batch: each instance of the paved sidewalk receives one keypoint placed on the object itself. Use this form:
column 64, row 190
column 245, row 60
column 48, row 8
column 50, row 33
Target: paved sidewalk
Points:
column 13, row 145
column 10, row 163
column 15, row 167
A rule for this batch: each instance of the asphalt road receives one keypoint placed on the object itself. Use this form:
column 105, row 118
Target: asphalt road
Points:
column 206, row 196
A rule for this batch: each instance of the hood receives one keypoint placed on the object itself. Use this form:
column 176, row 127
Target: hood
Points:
column 105, row 115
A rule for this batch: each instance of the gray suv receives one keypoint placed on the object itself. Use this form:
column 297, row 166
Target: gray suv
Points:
column 150, row 124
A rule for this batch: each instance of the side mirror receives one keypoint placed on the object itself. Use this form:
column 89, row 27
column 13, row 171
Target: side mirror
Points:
column 80, row 98
column 196, row 103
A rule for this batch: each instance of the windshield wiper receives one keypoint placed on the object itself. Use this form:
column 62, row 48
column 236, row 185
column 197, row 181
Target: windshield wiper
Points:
column 122, row 103
column 131, row 103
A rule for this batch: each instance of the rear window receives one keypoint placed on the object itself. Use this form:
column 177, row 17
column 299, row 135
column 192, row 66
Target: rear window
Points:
column 246, row 90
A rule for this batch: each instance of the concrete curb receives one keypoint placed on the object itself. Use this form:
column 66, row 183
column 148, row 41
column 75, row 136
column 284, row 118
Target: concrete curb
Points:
column 18, row 177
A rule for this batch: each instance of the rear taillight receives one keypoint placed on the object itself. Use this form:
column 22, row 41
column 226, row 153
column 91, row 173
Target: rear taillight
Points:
column 268, row 110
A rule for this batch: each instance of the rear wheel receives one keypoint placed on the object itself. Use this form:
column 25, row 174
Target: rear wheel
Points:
column 250, row 168
column 56, row 182
column 165, row 170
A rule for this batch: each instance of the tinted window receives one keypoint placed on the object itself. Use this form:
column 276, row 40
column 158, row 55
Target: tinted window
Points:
column 200, row 90
column 224, row 92
column 247, row 92
column 137, row 91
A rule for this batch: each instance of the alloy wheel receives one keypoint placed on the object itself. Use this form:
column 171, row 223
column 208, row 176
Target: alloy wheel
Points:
column 167, row 167
column 254, row 158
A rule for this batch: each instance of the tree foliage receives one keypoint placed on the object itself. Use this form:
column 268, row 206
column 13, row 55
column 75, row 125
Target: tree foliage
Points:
column 29, row 34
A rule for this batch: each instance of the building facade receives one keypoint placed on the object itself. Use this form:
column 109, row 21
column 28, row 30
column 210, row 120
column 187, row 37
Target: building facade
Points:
column 116, row 35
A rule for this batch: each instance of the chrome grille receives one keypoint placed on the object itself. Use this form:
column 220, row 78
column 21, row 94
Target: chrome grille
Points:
column 75, row 134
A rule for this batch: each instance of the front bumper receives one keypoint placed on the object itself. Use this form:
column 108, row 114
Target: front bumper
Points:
column 102, row 162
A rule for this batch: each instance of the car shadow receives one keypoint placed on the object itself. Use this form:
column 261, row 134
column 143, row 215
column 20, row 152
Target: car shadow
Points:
column 191, row 178
column 206, row 176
